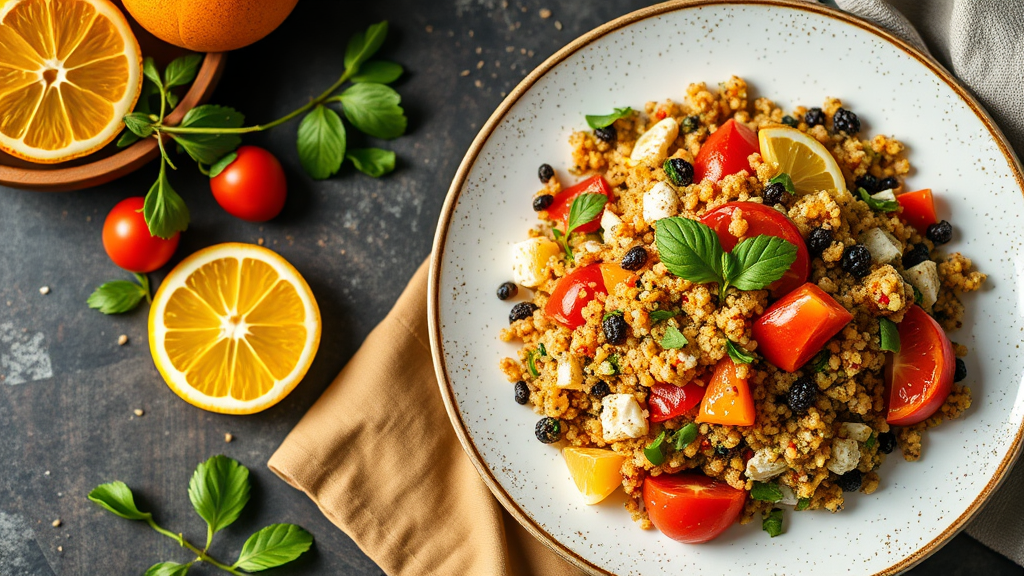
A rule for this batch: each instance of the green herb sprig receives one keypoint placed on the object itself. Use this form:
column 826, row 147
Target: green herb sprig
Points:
column 677, row 440
column 876, row 204
column 583, row 209
column 597, row 121
column 737, row 354
column 662, row 315
column 771, row 522
column 219, row 490
column 120, row 296
column 786, row 182
column 766, row 492
column 673, row 339
column 209, row 134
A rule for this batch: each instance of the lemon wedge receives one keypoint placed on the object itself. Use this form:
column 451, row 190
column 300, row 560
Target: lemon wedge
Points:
column 807, row 161
column 596, row 472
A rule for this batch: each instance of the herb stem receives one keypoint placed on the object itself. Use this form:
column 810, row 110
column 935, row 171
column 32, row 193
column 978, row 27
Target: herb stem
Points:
column 176, row 537
column 204, row 557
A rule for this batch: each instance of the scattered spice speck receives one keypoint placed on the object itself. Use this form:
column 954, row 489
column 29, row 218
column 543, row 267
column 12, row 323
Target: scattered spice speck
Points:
column 479, row 64
column 464, row 73
column 56, row 523
column 259, row 241
column 47, row 473
column 44, row 290
column 430, row 29
column 510, row 49
column 138, row 412
column 60, row 548
column 558, row 25
column 545, row 13
column 228, row 437
column 122, row 339
column 470, row 33
column 478, row 84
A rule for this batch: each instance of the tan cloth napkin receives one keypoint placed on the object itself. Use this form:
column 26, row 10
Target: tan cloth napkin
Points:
column 378, row 455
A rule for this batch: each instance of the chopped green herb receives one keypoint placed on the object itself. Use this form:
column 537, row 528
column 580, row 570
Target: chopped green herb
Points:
column 690, row 123
column 662, row 315
column 685, row 436
column 802, row 504
column 653, row 450
column 876, row 204
column 871, row 441
column 918, row 297
column 820, row 361
column 614, row 361
column 543, row 351
column 603, row 121
column 531, row 355
column 771, row 522
column 766, row 492
column 890, row 335
column 673, row 339
column 738, row 355
column 786, row 182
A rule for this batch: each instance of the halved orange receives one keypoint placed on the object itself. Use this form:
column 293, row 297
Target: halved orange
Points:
column 596, row 472
column 233, row 328
column 69, row 71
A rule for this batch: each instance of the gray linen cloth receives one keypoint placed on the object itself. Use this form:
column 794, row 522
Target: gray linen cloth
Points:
column 982, row 43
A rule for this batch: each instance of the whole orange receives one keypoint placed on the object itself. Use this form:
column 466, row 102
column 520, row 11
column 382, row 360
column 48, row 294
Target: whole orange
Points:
column 210, row 25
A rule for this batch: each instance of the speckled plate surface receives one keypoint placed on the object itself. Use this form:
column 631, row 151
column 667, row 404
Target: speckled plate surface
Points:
column 795, row 53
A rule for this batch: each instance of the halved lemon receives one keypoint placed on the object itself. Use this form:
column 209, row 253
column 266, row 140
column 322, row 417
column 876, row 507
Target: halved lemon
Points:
column 596, row 472
column 233, row 328
column 806, row 160
column 69, row 71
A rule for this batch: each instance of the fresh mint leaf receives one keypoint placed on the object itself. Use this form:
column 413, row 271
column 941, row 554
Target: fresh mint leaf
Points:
column 378, row 71
column 116, row 297
column 786, row 182
column 606, row 120
column 653, row 450
column 876, row 204
column 771, row 522
column 889, row 334
column 139, row 124
column 127, row 139
column 164, row 210
column 273, row 546
column 374, row 109
column 585, row 208
column 363, row 45
column 209, row 148
column 739, row 355
column 802, row 504
column 182, row 70
column 820, row 361
column 372, row 161
column 221, row 164
column 168, row 569
column 685, row 436
column 766, row 492
column 219, row 489
column 117, row 497
column 673, row 339
column 321, row 143
column 760, row 261
column 689, row 249
column 662, row 315
column 150, row 71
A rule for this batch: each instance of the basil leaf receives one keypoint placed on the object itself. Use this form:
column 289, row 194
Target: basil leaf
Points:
column 182, row 70
column 321, row 143
column 871, row 441
column 209, row 148
column 889, row 335
column 117, row 497
column 653, row 450
column 221, row 164
column 772, row 522
column 875, row 204
column 374, row 109
column 606, row 120
column 802, row 504
column 363, row 45
column 673, row 339
column 139, row 124
column 116, row 297
column 786, row 182
column 766, row 492
column 686, row 435
column 150, row 71
column 761, row 260
column 219, row 489
column 820, row 361
column 372, row 161
column 168, row 569
column 585, row 208
column 739, row 355
column 273, row 546
column 165, row 211
column 662, row 315
column 689, row 249
column 379, row 71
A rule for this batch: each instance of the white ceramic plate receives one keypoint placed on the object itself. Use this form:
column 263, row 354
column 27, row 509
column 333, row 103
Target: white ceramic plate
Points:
column 794, row 53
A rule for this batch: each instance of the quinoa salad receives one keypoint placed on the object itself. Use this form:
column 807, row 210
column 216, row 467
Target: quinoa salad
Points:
column 733, row 311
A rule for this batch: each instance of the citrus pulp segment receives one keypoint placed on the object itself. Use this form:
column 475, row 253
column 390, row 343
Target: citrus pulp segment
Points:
column 806, row 160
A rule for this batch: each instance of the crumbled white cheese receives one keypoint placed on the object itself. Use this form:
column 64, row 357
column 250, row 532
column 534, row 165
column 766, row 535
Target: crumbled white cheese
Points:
column 884, row 247
column 591, row 246
column 760, row 467
column 570, row 373
column 845, row 455
column 855, row 431
column 609, row 221
column 687, row 361
column 661, row 201
column 652, row 147
column 925, row 277
column 788, row 496
column 885, row 196
column 622, row 418
column 530, row 258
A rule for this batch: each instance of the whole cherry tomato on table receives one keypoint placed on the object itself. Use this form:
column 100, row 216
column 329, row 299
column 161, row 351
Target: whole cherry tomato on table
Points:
column 690, row 507
column 920, row 375
column 725, row 152
column 559, row 209
column 252, row 187
column 127, row 240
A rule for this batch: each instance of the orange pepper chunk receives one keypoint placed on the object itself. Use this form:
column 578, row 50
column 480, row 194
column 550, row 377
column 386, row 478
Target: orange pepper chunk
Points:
column 613, row 275
column 727, row 400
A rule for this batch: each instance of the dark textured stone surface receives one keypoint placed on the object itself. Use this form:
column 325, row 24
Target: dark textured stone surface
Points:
column 69, row 425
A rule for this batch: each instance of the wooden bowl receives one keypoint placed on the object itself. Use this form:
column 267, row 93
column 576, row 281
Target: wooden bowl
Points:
column 111, row 162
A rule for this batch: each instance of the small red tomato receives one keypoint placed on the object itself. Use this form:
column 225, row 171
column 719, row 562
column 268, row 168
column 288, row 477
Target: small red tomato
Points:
column 572, row 293
column 918, row 209
column 792, row 330
column 252, row 187
column 127, row 240
column 920, row 375
column 725, row 152
column 690, row 507
column 668, row 400
column 559, row 210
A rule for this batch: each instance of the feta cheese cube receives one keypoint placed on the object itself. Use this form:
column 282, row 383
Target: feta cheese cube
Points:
column 761, row 466
column 609, row 221
column 652, row 146
column 660, row 202
column 530, row 258
column 788, row 496
column 622, row 418
column 855, row 431
column 884, row 247
column 925, row 277
column 845, row 455
column 569, row 373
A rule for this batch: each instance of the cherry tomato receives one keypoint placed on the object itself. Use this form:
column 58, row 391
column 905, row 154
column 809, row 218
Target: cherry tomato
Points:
column 572, row 293
column 252, row 187
column 725, row 152
column 727, row 400
column 762, row 219
column 792, row 330
column 920, row 375
column 127, row 240
column 668, row 400
column 559, row 209
column 690, row 507
column 918, row 209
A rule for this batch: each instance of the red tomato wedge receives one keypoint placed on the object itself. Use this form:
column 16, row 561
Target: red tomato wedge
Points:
column 725, row 152
column 690, row 507
column 918, row 209
column 559, row 209
column 792, row 330
column 762, row 219
column 727, row 400
column 920, row 375
column 668, row 400
column 572, row 293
